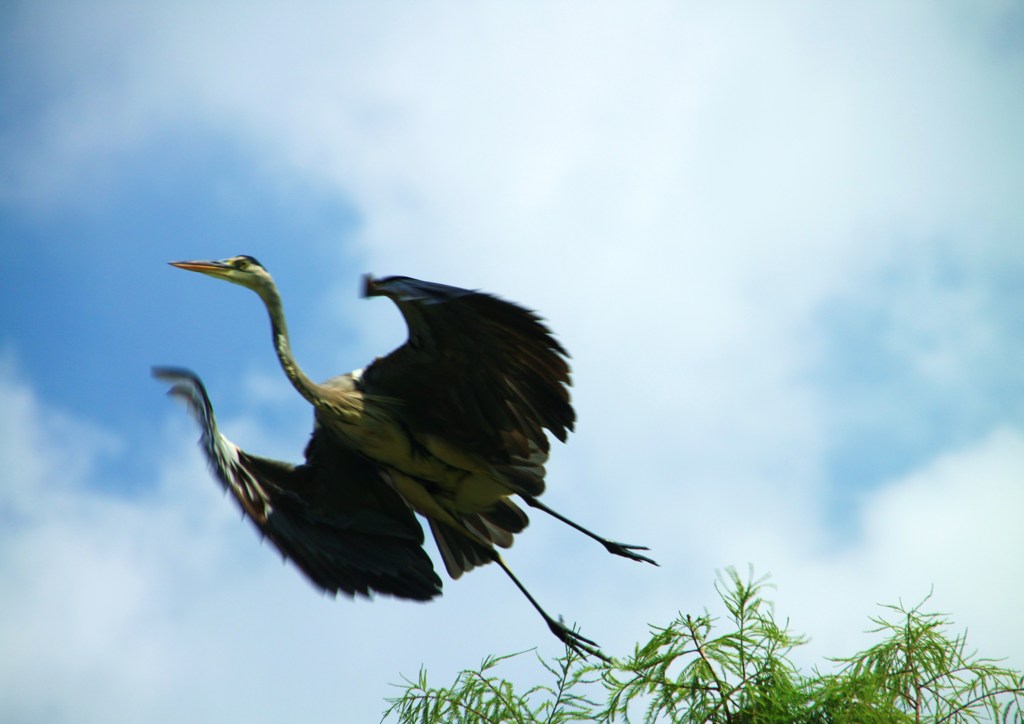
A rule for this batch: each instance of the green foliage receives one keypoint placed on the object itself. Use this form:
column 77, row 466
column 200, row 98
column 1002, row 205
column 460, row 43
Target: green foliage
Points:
column 925, row 676
column 477, row 697
column 698, row 669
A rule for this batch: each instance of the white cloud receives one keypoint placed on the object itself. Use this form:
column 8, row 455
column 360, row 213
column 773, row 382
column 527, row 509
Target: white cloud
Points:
column 950, row 526
column 680, row 189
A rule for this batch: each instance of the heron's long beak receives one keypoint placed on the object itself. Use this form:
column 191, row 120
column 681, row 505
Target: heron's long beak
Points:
column 213, row 268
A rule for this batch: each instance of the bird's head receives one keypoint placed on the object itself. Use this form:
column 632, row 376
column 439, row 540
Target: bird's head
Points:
column 242, row 270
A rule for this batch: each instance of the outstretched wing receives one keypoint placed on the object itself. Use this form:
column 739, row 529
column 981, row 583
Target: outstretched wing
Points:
column 334, row 516
column 476, row 369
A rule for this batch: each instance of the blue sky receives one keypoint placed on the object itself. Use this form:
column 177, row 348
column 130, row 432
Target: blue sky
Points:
column 783, row 244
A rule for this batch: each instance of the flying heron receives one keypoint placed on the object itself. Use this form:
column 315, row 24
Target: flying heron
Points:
column 453, row 420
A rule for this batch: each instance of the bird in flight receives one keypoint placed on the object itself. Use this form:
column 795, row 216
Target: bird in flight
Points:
column 451, row 425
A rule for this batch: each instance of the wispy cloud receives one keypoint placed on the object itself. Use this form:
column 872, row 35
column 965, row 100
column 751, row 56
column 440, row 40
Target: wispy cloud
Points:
column 780, row 244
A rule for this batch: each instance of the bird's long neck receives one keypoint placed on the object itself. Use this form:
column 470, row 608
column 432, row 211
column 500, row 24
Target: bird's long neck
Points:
column 306, row 387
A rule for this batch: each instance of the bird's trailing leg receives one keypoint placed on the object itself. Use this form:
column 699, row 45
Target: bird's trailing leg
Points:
column 619, row 549
column 573, row 639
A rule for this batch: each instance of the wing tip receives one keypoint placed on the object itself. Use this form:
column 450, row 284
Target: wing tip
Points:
column 369, row 286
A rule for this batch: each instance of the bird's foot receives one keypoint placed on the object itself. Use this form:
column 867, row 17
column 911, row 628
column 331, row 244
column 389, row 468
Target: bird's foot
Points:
column 627, row 551
column 576, row 641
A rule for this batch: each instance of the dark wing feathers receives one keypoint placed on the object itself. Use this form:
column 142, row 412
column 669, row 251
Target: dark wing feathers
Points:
column 345, row 527
column 485, row 371
column 333, row 516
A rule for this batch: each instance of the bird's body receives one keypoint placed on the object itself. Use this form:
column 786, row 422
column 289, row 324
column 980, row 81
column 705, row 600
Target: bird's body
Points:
column 453, row 421
column 439, row 479
column 374, row 426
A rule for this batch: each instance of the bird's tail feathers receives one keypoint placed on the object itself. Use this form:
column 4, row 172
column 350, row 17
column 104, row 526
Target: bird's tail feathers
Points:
column 463, row 549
